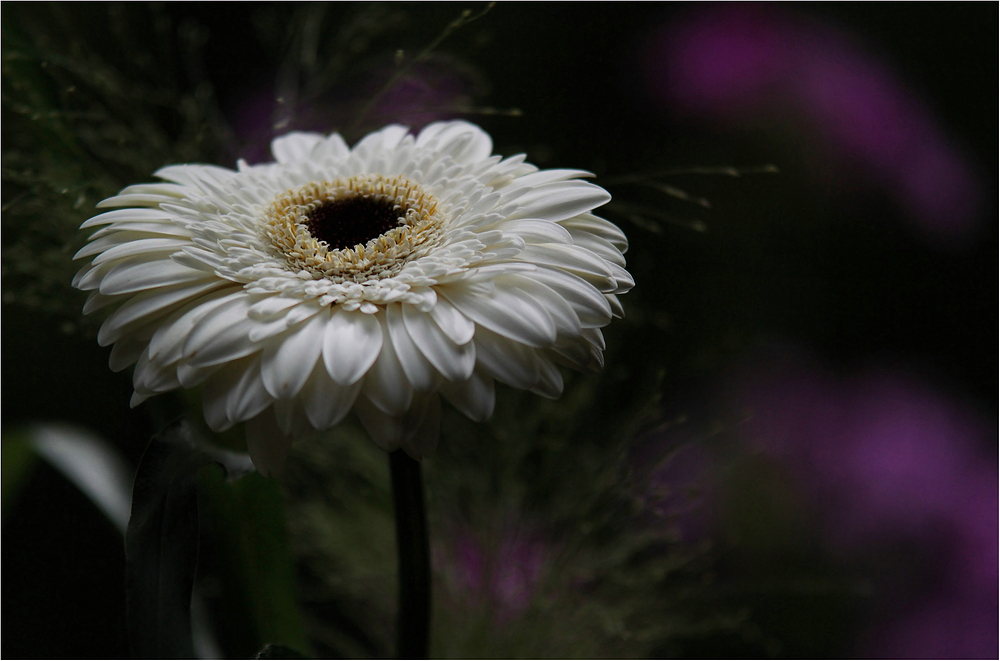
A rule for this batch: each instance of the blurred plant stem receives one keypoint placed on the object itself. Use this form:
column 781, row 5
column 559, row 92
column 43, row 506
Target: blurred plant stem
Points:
column 414, row 557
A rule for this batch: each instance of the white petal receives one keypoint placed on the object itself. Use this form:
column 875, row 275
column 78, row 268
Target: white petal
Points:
column 145, row 195
column 265, row 330
column 563, row 316
column 455, row 362
column 214, row 412
column 217, row 390
column 385, row 384
column 590, row 305
column 119, row 243
column 193, row 175
column 293, row 316
column 266, row 443
column 598, row 227
column 189, row 376
column 221, row 335
column 380, row 141
column 149, row 305
column 149, row 379
column 284, row 416
column 422, row 426
column 325, row 402
column 138, row 273
column 168, row 341
column 138, row 200
column 576, row 260
column 385, row 430
column 97, row 301
column 272, row 307
column 550, row 382
column 616, row 306
column 623, row 279
column 151, row 229
column 288, row 361
column 416, row 431
column 561, row 200
column 509, row 362
column 546, row 176
column 128, row 349
column 453, row 323
column 127, row 216
column 473, row 398
column 465, row 142
column 294, row 146
column 89, row 277
column 600, row 247
column 140, row 245
column 504, row 310
column 333, row 148
column 351, row 344
column 156, row 188
column 417, row 368
column 249, row 396
column 538, row 231
column 572, row 354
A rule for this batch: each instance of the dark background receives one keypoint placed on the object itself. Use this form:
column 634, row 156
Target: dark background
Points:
column 821, row 262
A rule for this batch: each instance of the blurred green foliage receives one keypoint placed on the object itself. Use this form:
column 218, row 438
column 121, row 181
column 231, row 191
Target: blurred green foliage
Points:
column 81, row 122
column 17, row 461
column 255, row 596
column 542, row 539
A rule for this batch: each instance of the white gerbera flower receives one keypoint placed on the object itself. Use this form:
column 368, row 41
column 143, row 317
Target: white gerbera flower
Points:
column 375, row 279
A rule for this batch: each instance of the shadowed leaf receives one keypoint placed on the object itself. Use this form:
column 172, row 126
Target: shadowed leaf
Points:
column 161, row 546
column 161, row 542
column 247, row 525
column 279, row 652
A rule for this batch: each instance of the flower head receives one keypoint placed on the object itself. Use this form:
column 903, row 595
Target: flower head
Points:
column 377, row 279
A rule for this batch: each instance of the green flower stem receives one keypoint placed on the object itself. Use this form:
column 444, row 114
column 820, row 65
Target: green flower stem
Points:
column 414, row 557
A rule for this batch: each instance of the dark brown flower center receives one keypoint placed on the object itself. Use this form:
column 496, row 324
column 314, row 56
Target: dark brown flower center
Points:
column 354, row 220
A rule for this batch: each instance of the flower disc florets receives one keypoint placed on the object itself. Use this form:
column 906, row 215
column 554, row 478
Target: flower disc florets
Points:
column 357, row 229
column 374, row 279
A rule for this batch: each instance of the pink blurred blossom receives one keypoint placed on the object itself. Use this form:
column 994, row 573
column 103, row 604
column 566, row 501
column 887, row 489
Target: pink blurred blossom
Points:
column 503, row 574
column 435, row 89
column 677, row 482
column 740, row 63
column 884, row 458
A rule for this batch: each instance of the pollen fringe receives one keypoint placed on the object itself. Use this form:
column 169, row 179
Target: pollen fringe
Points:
column 419, row 228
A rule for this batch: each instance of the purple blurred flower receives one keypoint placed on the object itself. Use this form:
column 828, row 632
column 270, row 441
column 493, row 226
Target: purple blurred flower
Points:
column 739, row 63
column 435, row 89
column 677, row 478
column 431, row 91
column 953, row 626
column 885, row 459
column 502, row 575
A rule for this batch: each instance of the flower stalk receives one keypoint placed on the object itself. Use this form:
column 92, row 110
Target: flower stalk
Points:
column 414, row 557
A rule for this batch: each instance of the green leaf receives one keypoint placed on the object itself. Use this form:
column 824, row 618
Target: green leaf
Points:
column 279, row 652
column 16, row 463
column 86, row 460
column 161, row 542
column 89, row 462
column 247, row 525
column 161, row 546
